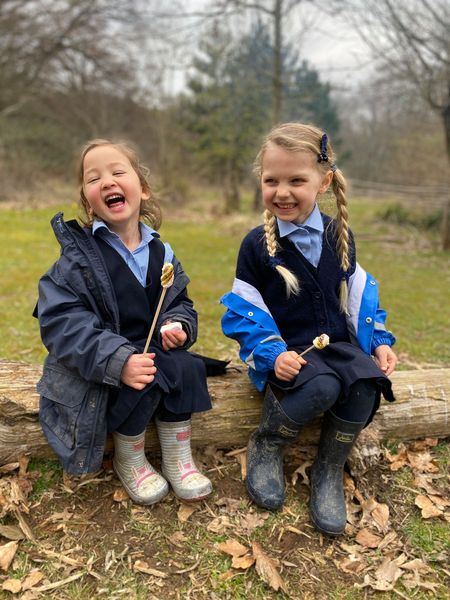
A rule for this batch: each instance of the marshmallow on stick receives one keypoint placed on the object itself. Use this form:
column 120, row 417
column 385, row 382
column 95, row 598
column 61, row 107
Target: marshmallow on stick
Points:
column 319, row 342
column 167, row 278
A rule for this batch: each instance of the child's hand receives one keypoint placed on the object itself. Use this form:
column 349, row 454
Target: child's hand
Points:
column 173, row 338
column 139, row 370
column 385, row 358
column 288, row 365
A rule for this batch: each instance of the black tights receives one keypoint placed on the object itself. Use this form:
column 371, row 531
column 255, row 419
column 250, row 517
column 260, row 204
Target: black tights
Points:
column 139, row 418
column 323, row 393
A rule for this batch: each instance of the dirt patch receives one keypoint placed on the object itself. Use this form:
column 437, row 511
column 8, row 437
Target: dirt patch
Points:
column 91, row 541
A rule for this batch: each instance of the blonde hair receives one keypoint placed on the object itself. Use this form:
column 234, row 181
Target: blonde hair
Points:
column 150, row 210
column 298, row 137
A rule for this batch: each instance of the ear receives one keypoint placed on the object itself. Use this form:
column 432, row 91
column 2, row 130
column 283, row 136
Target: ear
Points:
column 146, row 193
column 326, row 182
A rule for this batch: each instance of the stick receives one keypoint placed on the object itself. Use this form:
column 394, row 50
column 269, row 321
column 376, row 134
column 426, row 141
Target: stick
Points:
column 155, row 318
column 167, row 278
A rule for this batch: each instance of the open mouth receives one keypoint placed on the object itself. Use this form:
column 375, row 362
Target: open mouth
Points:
column 114, row 200
column 285, row 206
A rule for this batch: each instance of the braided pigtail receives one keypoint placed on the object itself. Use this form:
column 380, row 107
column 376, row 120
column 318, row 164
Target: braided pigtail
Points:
column 291, row 281
column 339, row 188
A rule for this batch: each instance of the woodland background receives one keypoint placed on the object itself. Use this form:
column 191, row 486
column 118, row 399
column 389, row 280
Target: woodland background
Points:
column 196, row 84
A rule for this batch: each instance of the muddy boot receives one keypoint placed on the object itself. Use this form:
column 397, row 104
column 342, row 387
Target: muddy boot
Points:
column 265, row 475
column 178, row 466
column 142, row 482
column 327, row 504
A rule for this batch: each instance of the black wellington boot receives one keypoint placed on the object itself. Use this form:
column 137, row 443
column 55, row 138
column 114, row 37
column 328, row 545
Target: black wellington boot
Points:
column 265, row 475
column 327, row 504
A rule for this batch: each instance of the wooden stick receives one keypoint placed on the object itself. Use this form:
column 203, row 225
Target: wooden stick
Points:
column 307, row 350
column 155, row 318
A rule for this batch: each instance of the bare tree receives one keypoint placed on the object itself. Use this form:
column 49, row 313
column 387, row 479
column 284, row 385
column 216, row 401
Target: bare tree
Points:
column 410, row 39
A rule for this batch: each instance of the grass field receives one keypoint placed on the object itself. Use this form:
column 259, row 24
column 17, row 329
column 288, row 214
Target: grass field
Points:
column 413, row 274
column 89, row 541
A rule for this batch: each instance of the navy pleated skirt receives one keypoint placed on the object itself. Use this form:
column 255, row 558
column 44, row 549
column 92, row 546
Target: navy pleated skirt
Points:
column 179, row 385
column 344, row 360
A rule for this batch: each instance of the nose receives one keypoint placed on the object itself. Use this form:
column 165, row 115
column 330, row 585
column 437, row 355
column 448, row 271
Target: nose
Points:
column 107, row 182
column 283, row 191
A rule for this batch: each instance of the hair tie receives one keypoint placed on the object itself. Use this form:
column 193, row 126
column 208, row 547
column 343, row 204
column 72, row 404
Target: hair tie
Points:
column 323, row 156
column 274, row 262
column 333, row 168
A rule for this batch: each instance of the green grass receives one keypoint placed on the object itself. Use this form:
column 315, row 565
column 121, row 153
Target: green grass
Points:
column 413, row 277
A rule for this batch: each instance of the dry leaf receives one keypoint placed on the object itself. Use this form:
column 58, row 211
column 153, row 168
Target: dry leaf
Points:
column 185, row 511
column 243, row 562
column 120, row 495
column 32, row 579
column 12, row 585
column 219, row 524
column 352, row 564
column 416, row 565
column 429, row 510
column 232, row 506
column 301, row 470
column 388, row 572
column 233, row 547
column 422, row 481
column 423, row 444
column 11, row 532
column 423, row 462
column 398, row 460
column 7, row 553
column 177, row 539
column 439, row 500
column 380, row 515
column 250, row 521
column 368, row 539
column 266, row 569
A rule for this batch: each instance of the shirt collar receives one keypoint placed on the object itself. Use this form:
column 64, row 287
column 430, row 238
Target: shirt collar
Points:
column 314, row 221
column 147, row 233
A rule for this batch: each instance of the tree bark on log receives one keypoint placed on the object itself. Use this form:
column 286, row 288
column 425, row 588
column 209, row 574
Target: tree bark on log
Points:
column 421, row 410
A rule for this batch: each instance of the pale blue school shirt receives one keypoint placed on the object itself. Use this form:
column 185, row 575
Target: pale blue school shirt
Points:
column 137, row 260
column 307, row 236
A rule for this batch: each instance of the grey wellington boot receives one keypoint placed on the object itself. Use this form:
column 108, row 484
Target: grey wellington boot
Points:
column 265, row 475
column 327, row 504
column 142, row 482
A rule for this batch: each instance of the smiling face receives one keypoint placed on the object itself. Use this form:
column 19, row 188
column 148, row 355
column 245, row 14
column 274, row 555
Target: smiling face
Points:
column 290, row 182
column 112, row 187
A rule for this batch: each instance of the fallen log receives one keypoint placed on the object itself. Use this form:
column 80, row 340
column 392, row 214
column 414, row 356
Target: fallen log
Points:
column 422, row 410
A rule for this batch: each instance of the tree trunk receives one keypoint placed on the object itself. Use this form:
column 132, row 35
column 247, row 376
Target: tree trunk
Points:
column 421, row 410
column 277, row 83
column 446, row 215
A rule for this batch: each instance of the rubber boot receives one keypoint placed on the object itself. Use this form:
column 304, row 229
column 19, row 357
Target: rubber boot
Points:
column 178, row 466
column 142, row 482
column 265, row 475
column 327, row 504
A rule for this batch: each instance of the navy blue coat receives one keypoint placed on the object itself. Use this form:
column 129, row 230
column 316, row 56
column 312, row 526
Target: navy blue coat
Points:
column 79, row 324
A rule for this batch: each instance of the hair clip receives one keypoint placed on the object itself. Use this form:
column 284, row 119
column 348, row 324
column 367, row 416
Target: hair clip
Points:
column 323, row 156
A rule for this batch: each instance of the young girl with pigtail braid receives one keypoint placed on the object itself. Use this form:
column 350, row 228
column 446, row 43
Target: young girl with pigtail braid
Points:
column 297, row 278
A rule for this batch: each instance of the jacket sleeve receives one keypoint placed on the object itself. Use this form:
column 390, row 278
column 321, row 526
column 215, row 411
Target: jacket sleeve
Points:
column 365, row 319
column 73, row 332
column 179, row 307
column 248, row 319
column 254, row 329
